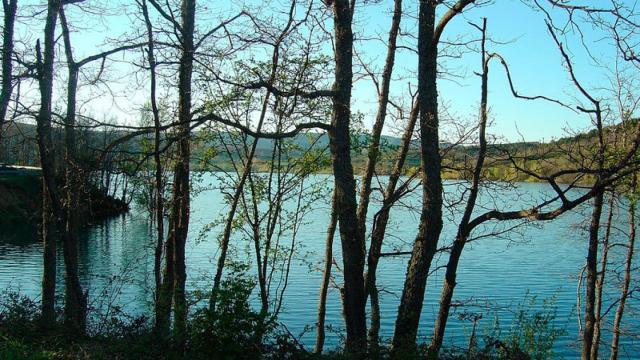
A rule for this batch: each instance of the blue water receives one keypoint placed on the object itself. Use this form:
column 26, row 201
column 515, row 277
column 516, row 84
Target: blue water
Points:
column 496, row 273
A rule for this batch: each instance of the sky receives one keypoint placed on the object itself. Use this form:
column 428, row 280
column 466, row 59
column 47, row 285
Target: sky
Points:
column 519, row 35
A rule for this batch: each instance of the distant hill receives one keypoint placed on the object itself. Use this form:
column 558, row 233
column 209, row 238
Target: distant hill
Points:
column 19, row 147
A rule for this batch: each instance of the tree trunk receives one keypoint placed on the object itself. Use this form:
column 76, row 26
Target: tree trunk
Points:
column 379, row 229
column 592, row 273
column 372, row 159
column 49, row 238
column 425, row 245
column 159, row 183
column 10, row 8
column 75, row 302
column 352, row 240
column 600, row 282
column 383, row 100
column 181, row 190
column 628, row 268
column 326, row 276
column 51, row 205
column 165, row 293
column 463, row 228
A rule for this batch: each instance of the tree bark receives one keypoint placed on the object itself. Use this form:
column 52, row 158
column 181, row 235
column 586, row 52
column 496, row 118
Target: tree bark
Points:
column 601, row 280
column 49, row 237
column 165, row 293
column 404, row 338
column 10, row 8
column 159, row 183
column 52, row 212
column 379, row 229
column 372, row 159
column 181, row 187
column 592, row 273
column 628, row 268
column 352, row 240
column 75, row 301
column 463, row 228
column 326, row 276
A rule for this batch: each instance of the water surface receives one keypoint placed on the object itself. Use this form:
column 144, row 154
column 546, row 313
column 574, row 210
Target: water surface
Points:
column 496, row 273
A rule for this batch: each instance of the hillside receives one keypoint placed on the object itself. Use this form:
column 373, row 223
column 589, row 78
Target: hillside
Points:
column 19, row 147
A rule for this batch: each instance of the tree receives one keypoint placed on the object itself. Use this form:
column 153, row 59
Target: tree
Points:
column 352, row 239
column 425, row 244
column 10, row 9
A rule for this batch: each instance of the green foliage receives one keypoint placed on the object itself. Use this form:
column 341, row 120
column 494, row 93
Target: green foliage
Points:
column 531, row 336
column 234, row 330
column 534, row 331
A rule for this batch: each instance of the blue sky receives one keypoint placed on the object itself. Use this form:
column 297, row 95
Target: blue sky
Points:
column 534, row 61
column 524, row 42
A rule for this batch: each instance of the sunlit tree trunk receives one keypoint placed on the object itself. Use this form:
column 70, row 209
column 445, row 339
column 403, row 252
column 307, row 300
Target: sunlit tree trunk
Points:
column 380, row 222
column 424, row 248
column 628, row 268
column 425, row 244
column 373, row 156
column 326, row 276
column 352, row 240
column 463, row 228
column 601, row 280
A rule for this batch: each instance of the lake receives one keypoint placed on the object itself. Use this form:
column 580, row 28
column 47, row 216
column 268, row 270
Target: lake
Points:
column 496, row 273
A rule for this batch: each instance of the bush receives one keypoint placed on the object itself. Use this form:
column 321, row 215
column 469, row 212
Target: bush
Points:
column 531, row 336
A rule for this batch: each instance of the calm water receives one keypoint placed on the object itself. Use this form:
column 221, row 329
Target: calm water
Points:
column 496, row 273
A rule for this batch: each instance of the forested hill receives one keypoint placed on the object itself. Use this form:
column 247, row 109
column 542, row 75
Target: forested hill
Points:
column 20, row 147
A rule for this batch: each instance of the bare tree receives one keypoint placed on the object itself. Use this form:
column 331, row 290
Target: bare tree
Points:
column 463, row 227
column 159, row 179
column 373, row 157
